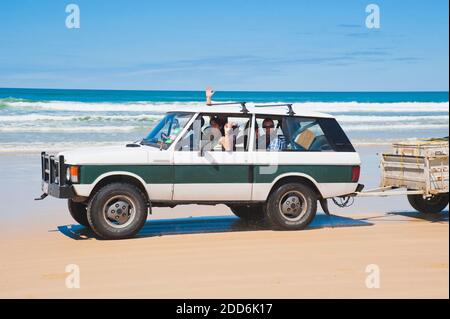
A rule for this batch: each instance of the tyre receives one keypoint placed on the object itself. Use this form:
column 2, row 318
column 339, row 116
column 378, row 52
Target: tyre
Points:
column 78, row 211
column 291, row 206
column 248, row 212
column 412, row 199
column 432, row 205
column 117, row 211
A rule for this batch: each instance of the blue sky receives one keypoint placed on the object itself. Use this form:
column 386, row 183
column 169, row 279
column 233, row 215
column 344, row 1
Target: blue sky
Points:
column 320, row 45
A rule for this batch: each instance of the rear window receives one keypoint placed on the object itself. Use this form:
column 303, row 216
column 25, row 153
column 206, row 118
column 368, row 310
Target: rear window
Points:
column 315, row 135
column 336, row 135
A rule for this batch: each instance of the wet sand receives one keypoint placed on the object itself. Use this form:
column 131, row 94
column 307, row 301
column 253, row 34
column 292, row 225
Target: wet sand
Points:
column 205, row 252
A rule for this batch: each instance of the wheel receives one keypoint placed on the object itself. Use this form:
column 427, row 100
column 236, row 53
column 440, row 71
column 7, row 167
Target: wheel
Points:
column 117, row 211
column 248, row 212
column 291, row 206
column 78, row 211
column 412, row 199
column 431, row 205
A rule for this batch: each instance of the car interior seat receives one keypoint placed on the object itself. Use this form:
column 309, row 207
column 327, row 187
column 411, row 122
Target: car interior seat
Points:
column 305, row 139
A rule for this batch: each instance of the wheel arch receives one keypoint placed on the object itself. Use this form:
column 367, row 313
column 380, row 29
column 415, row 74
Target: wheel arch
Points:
column 119, row 177
column 295, row 178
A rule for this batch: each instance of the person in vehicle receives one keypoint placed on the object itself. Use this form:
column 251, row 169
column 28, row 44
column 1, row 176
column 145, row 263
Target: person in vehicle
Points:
column 278, row 144
column 269, row 132
column 270, row 140
column 215, row 123
column 228, row 141
column 212, row 134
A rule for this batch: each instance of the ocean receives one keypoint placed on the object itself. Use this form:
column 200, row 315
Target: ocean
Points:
column 32, row 120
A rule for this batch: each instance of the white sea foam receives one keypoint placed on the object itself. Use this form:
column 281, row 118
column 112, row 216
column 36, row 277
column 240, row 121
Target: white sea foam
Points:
column 335, row 107
column 397, row 127
column 384, row 119
column 98, row 107
column 346, row 107
column 144, row 117
column 86, row 118
column 65, row 129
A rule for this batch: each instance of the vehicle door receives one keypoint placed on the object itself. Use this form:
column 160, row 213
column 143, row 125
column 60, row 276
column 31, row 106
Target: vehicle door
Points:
column 205, row 170
column 159, row 172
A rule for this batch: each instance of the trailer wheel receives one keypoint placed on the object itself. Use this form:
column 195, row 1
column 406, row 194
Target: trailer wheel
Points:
column 78, row 211
column 432, row 205
column 248, row 212
column 117, row 211
column 291, row 206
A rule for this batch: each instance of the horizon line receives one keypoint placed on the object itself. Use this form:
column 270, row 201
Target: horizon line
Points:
column 238, row 91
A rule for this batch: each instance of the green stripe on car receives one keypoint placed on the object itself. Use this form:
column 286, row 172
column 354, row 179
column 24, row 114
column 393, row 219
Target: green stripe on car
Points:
column 211, row 173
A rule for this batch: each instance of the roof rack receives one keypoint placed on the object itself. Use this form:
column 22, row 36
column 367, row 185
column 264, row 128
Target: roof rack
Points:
column 289, row 106
column 243, row 107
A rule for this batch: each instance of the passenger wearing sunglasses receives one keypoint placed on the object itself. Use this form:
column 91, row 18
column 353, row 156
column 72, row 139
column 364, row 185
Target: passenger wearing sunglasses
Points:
column 269, row 140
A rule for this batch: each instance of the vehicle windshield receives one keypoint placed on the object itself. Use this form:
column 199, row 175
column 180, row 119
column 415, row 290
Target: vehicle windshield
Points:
column 167, row 130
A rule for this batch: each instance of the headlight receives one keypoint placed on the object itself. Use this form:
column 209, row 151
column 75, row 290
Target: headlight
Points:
column 68, row 174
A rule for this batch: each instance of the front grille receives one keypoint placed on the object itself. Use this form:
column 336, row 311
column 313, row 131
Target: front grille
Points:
column 53, row 169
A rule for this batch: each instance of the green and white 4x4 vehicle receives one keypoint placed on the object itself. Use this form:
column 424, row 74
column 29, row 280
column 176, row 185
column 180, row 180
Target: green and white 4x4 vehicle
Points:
column 264, row 163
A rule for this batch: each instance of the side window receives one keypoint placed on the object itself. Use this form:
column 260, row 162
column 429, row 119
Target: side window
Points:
column 306, row 134
column 217, row 132
column 236, row 133
column 269, row 135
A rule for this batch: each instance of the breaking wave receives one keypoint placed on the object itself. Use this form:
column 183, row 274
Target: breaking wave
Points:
column 159, row 107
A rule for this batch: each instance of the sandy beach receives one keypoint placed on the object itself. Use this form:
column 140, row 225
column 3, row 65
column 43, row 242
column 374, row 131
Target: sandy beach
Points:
column 205, row 252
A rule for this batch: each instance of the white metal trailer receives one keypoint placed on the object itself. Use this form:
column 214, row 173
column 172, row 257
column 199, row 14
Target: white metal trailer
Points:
column 419, row 170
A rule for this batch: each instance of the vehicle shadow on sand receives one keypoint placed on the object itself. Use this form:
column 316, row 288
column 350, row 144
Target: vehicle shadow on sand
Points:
column 433, row 218
column 209, row 224
column 405, row 216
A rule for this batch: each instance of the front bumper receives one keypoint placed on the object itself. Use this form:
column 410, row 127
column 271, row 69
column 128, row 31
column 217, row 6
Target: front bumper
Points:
column 54, row 181
column 54, row 190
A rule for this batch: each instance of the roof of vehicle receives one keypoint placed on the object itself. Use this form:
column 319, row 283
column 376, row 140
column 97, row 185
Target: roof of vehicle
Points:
column 236, row 108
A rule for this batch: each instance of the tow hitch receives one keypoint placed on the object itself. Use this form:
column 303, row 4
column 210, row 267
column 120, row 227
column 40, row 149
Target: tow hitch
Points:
column 42, row 197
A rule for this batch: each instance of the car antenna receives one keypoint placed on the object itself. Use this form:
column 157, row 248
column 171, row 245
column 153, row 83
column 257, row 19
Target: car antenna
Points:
column 288, row 105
